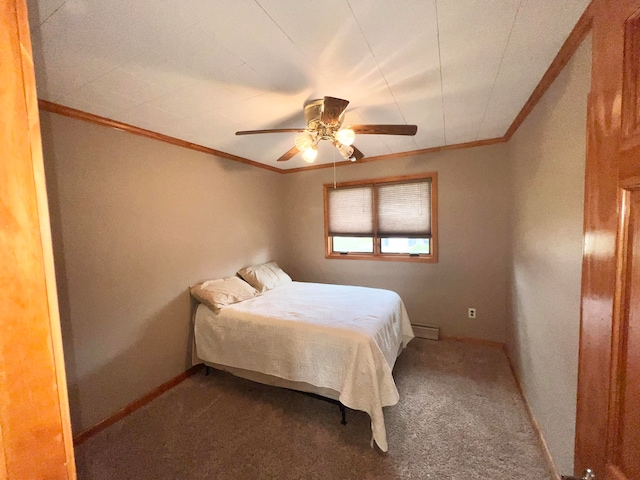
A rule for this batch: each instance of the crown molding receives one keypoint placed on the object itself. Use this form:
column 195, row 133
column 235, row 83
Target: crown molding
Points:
column 392, row 156
column 569, row 47
column 107, row 122
column 571, row 44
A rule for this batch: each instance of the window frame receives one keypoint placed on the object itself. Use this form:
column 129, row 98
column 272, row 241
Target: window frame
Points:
column 431, row 257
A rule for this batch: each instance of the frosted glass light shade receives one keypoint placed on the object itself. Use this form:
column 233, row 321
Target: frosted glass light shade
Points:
column 303, row 141
column 310, row 154
column 346, row 136
column 345, row 150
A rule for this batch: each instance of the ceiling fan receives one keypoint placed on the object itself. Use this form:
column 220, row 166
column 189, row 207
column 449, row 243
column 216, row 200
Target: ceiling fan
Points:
column 324, row 119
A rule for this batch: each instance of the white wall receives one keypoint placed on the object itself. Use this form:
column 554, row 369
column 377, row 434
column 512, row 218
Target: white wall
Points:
column 135, row 222
column 472, row 240
column 547, row 158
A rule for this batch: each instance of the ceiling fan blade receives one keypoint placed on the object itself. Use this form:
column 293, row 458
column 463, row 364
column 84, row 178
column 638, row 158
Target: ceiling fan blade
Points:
column 289, row 155
column 333, row 108
column 357, row 153
column 385, row 129
column 273, row 130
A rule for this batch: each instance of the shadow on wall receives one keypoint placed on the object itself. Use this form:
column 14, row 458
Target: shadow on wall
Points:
column 116, row 383
column 162, row 339
column 64, row 305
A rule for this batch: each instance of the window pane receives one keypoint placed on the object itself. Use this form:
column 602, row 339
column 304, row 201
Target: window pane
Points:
column 353, row 244
column 405, row 245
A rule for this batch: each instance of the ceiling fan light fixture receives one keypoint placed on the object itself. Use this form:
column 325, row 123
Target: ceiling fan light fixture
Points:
column 304, row 141
column 346, row 136
column 310, row 154
column 324, row 118
column 345, row 150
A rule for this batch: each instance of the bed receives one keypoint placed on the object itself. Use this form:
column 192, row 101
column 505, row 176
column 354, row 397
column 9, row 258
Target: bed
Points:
column 337, row 341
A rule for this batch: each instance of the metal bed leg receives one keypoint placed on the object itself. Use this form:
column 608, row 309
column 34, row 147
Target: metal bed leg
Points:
column 343, row 411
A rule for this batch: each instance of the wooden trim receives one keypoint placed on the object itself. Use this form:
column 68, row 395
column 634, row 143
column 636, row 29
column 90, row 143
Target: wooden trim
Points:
column 375, row 181
column 567, row 50
column 393, row 156
column 327, row 242
column 376, row 240
column 107, row 122
column 536, row 427
column 608, row 166
column 47, row 250
column 475, row 341
column 623, row 281
column 4, row 475
column 631, row 79
column 384, row 257
column 34, row 416
column 614, row 473
column 432, row 257
column 571, row 44
column 433, row 247
column 135, row 405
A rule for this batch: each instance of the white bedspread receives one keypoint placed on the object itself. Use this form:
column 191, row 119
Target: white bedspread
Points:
column 334, row 336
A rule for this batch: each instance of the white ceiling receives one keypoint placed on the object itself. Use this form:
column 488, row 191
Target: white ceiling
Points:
column 199, row 70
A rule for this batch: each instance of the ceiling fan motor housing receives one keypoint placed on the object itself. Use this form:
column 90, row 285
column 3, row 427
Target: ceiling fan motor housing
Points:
column 313, row 114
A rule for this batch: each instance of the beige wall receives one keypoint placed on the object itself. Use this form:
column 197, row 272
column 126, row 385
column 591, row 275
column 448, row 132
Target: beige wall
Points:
column 472, row 243
column 547, row 158
column 135, row 221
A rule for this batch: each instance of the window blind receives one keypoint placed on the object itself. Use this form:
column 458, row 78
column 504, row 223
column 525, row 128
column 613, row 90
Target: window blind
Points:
column 350, row 211
column 404, row 209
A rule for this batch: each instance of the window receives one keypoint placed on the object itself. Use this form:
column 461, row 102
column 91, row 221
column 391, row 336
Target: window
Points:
column 382, row 219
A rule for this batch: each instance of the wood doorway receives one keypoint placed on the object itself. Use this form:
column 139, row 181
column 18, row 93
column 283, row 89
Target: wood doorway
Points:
column 35, row 429
column 608, row 416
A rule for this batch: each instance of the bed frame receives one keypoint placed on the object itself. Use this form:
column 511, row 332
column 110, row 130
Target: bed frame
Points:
column 279, row 382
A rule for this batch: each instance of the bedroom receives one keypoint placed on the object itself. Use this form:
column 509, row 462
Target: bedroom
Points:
column 237, row 215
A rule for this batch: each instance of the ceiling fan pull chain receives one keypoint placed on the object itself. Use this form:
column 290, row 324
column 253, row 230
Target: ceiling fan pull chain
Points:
column 334, row 169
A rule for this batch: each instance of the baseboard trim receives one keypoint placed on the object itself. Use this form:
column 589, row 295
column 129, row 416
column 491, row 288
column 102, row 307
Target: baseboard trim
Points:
column 477, row 341
column 536, row 427
column 135, row 405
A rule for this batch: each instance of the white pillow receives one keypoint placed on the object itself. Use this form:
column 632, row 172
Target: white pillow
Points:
column 216, row 294
column 265, row 277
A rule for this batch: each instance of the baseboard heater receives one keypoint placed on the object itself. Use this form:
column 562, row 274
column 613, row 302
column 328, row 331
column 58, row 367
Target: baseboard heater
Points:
column 422, row 331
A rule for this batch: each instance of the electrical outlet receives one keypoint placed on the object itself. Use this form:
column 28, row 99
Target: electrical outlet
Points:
column 471, row 313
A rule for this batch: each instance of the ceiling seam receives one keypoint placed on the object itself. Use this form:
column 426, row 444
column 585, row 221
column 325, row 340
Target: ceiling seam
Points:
column 143, row 78
column 217, row 109
column 386, row 82
column 51, row 15
column 495, row 79
column 280, row 28
column 164, row 95
column 310, row 62
column 444, row 122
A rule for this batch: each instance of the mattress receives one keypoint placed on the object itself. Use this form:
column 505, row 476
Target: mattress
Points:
column 337, row 338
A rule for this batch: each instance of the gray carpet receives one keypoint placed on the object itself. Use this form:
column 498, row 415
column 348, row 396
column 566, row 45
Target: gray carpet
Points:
column 459, row 417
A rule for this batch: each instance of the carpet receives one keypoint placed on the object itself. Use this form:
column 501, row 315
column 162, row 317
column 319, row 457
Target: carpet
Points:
column 460, row 416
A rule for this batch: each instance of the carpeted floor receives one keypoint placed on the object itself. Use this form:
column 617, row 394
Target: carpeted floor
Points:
column 459, row 417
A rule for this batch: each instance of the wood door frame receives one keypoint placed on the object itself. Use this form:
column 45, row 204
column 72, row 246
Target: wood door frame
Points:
column 35, row 427
column 604, row 241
